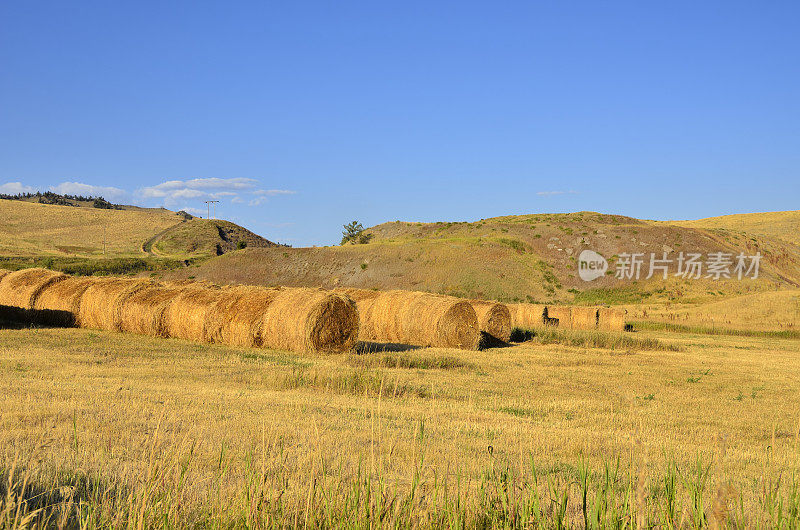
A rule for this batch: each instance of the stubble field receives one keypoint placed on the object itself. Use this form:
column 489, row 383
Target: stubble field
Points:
column 106, row 429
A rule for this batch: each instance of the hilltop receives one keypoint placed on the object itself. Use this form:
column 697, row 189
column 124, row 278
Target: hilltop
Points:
column 512, row 258
column 81, row 236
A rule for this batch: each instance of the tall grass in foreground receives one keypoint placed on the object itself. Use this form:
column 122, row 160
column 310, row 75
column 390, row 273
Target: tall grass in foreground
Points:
column 709, row 330
column 171, row 490
column 591, row 339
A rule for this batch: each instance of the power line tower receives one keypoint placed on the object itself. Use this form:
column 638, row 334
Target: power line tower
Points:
column 208, row 206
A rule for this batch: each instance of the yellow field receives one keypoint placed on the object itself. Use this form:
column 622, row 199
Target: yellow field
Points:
column 782, row 225
column 166, row 432
column 32, row 229
column 769, row 311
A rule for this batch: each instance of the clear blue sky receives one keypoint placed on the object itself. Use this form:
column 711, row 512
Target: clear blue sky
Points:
column 300, row 116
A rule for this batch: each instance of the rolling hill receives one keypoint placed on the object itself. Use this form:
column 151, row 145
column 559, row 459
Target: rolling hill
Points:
column 514, row 258
column 33, row 230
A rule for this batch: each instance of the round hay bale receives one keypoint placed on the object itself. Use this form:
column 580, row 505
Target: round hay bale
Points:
column 610, row 319
column 420, row 319
column 144, row 310
column 237, row 316
column 20, row 288
column 3, row 272
column 562, row 313
column 310, row 320
column 493, row 319
column 102, row 302
column 59, row 303
column 584, row 318
column 527, row 316
column 186, row 316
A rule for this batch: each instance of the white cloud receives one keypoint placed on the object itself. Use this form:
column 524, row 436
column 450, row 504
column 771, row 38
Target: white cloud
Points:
column 171, row 192
column 79, row 188
column 13, row 188
column 553, row 193
column 273, row 192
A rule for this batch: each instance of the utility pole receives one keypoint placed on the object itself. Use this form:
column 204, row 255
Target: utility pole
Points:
column 208, row 206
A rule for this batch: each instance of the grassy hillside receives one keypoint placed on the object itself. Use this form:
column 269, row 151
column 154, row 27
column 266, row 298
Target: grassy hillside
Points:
column 32, row 229
column 71, row 237
column 515, row 258
column 204, row 237
column 779, row 225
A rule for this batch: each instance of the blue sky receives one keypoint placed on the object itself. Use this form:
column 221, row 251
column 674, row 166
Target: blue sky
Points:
column 301, row 116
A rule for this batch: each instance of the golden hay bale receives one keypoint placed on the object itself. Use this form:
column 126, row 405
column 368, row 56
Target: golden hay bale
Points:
column 59, row 303
column 186, row 316
column 610, row 319
column 562, row 313
column 419, row 319
column 103, row 301
column 310, row 320
column 3, row 272
column 584, row 318
column 237, row 316
column 20, row 288
column 493, row 319
column 144, row 310
column 527, row 316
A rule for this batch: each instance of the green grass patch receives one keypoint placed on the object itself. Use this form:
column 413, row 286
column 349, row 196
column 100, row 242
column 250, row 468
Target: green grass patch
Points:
column 92, row 266
column 591, row 339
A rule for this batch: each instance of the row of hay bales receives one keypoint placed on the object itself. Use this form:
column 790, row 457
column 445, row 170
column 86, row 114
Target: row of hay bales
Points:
column 531, row 316
column 298, row 319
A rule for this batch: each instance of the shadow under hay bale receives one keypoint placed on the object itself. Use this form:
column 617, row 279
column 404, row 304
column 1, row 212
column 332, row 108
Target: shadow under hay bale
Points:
column 488, row 341
column 12, row 317
column 494, row 320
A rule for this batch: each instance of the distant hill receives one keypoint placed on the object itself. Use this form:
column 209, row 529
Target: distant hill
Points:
column 29, row 228
column 527, row 257
column 778, row 225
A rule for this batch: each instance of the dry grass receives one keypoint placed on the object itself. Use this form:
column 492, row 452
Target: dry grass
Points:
column 121, row 430
column 773, row 311
column 40, row 229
